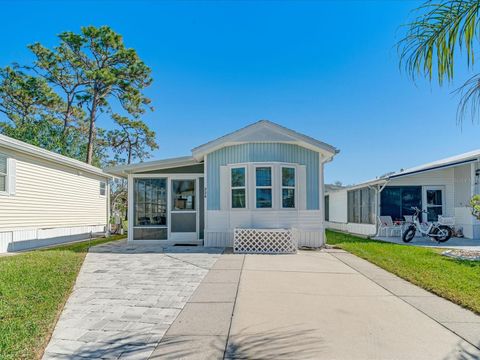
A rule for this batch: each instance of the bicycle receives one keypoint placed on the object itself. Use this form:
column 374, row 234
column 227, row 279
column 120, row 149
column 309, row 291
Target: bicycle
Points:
column 438, row 232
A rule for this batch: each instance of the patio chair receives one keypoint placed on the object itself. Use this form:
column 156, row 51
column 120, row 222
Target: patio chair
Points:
column 408, row 218
column 387, row 226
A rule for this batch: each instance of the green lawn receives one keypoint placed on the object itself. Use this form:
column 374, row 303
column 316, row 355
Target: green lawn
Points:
column 33, row 289
column 455, row 280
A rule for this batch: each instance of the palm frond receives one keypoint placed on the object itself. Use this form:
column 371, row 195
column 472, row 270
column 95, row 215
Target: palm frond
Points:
column 469, row 99
column 436, row 34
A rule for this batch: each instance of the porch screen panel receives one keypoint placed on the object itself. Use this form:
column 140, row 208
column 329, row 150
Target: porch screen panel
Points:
column 150, row 209
column 184, row 222
column 350, row 206
column 361, row 206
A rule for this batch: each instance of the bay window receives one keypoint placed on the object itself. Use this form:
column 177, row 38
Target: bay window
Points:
column 263, row 186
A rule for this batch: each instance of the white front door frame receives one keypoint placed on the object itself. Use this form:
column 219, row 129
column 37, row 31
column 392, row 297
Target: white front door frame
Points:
column 183, row 236
column 424, row 198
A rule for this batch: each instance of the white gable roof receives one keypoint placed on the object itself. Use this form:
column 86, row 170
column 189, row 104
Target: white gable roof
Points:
column 22, row 147
column 264, row 131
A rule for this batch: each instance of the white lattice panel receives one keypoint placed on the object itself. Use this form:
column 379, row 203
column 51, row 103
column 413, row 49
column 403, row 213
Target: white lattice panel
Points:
column 264, row 241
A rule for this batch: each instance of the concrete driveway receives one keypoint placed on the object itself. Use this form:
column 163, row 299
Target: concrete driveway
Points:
column 316, row 305
column 140, row 302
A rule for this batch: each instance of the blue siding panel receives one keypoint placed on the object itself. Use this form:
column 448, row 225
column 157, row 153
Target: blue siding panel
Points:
column 262, row 152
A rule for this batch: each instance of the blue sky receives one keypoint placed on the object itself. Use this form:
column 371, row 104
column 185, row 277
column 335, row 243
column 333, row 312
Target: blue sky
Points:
column 327, row 69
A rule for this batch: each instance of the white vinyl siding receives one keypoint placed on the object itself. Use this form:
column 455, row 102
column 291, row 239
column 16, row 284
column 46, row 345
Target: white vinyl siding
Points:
column 49, row 195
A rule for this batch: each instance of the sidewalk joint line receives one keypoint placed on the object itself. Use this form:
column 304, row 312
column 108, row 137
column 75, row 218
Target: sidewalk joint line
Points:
column 234, row 306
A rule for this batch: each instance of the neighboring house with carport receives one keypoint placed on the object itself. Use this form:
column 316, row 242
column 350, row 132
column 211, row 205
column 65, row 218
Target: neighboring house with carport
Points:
column 47, row 198
column 263, row 176
column 441, row 188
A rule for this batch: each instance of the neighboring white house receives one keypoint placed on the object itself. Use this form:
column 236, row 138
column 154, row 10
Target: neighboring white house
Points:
column 46, row 198
column 443, row 187
column 262, row 176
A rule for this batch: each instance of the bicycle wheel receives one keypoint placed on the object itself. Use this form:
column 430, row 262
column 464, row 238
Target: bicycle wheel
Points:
column 446, row 233
column 409, row 234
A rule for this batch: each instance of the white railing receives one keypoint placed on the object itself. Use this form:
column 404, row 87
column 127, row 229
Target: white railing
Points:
column 264, row 241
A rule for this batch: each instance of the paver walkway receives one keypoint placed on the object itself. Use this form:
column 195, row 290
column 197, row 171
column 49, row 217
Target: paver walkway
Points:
column 125, row 299
column 316, row 305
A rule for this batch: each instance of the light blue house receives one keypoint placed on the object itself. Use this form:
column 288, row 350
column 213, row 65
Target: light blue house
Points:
column 263, row 176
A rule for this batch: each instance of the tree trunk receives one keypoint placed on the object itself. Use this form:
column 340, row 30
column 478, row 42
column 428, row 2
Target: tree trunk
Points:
column 129, row 161
column 66, row 119
column 91, row 130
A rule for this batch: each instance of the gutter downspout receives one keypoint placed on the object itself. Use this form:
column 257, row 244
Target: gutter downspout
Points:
column 377, row 202
column 321, row 204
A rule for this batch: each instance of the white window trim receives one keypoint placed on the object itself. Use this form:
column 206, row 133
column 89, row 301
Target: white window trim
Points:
column 295, row 192
column 231, row 188
column 271, row 187
column 6, row 192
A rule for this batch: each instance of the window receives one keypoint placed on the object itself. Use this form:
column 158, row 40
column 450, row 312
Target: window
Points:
column 327, row 208
column 103, row 188
column 288, row 187
column 434, row 204
column 361, row 206
column 183, row 195
column 3, row 173
column 397, row 201
column 263, row 184
column 238, row 188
